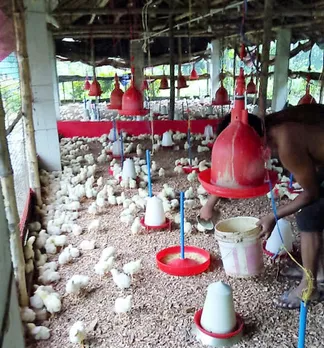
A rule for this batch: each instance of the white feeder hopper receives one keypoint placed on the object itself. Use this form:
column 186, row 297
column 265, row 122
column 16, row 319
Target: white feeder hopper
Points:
column 128, row 169
column 111, row 134
column 218, row 315
column 154, row 214
column 116, row 148
column 275, row 242
column 167, row 139
column 164, row 110
column 209, row 110
column 208, row 132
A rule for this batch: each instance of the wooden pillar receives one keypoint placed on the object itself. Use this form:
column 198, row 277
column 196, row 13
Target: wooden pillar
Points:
column 179, row 64
column 9, row 199
column 280, row 78
column 322, row 82
column 215, row 66
column 172, row 81
column 266, row 41
column 234, row 71
column 26, row 96
column 73, row 96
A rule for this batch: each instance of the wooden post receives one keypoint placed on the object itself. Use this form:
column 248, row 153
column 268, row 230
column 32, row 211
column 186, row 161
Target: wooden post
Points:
column 73, row 96
column 234, row 71
column 9, row 199
column 179, row 64
column 26, row 96
column 172, row 81
column 63, row 91
column 322, row 82
column 266, row 41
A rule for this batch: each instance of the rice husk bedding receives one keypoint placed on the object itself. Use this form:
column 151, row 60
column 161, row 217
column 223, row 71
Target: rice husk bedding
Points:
column 163, row 305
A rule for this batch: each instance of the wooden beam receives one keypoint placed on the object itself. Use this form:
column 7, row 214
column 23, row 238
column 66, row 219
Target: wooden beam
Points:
column 172, row 80
column 268, row 10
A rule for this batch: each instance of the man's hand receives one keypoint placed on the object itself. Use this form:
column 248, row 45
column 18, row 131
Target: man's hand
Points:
column 206, row 212
column 267, row 224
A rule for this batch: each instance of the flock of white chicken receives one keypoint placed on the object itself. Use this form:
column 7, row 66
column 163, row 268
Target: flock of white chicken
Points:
column 63, row 193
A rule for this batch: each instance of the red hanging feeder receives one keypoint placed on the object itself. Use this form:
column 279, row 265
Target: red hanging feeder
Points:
column 238, row 169
column 251, row 87
column 87, row 85
column 145, row 86
column 194, row 75
column 95, row 89
column 116, row 96
column 164, row 84
column 132, row 101
column 221, row 96
column 182, row 82
column 307, row 98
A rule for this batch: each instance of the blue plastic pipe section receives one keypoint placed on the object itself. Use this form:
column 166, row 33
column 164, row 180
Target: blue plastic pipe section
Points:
column 189, row 147
column 115, row 129
column 121, row 149
column 291, row 178
column 302, row 324
column 148, row 163
column 182, row 225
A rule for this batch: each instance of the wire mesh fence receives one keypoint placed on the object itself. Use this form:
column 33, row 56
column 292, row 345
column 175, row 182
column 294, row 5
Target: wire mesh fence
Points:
column 10, row 91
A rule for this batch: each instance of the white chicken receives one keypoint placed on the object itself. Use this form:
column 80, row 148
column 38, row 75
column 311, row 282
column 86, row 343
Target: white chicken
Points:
column 76, row 284
column 192, row 176
column 189, row 194
column 132, row 267
column 77, row 333
column 122, row 280
column 123, row 305
column 94, row 225
column 103, row 267
column 161, row 172
column 27, row 315
column 38, row 332
column 52, row 300
column 107, row 253
column 136, row 226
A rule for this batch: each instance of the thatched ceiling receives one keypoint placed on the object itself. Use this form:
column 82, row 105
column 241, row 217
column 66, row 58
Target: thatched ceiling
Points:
column 112, row 23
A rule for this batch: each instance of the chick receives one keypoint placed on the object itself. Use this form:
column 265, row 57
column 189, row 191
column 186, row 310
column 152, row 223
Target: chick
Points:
column 107, row 253
column 122, row 280
column 94, row 225
column 123, row 305
column 76, row 284
column 38, row 332
column 132, row 267
column 103, row 267
column 189, row 194
column 161, row 172
column 27, row 315
column 192, row 176
column 136, row 226
column 77, row 333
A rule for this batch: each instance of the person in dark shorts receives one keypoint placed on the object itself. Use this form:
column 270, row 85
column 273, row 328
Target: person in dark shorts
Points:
column 254, row 121
column 296, row 135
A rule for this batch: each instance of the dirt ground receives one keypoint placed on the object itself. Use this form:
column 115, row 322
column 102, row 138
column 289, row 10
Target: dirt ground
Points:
column 164, row 305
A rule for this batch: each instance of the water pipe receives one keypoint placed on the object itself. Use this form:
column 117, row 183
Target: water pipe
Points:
column 302, row 324
column 148, row 163
column 115, row 129
column 189, row 147
column 182, row 225
column 291, row 177
column 121, row 149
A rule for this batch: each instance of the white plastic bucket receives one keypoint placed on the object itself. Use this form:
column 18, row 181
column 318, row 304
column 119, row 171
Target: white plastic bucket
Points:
column 240, row 246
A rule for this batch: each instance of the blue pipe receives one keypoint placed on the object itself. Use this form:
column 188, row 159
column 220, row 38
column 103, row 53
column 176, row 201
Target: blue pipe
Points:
column 291, row 177
column 302, row 324
column 121, row 149
column 148, row 163
column 115, row 129
column 182, row 225
column 189, row 147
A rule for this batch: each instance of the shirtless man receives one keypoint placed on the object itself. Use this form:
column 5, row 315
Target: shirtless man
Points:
column 296, row 135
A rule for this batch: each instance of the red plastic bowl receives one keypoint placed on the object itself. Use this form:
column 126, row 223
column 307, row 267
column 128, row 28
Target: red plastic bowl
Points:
column 238, row 329
column 210, row 145
column 166, row 225
column 242, row 192
column 188, row 169
column 183, row 268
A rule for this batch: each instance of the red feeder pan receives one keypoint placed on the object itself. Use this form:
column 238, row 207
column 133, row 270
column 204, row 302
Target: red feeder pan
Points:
column 194, row 75
column 87, row 85
column 132, row 102
column 165, row 226
column 221, row 96
column 182, row 83
column 116, row 96
column 251, row 87
column 190, row 169
column 210, row 145
column 95, row 89
column 164, row 83
column 219, row 340
column 196, row 261
column 238, row 192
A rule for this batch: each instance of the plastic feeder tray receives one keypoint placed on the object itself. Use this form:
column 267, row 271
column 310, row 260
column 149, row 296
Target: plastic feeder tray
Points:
column 167, row 225
column 189, row 169
column 238, row 192
column 196, row 261
column 270, row 254
column 217, row 340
